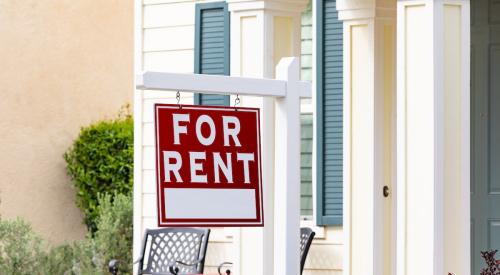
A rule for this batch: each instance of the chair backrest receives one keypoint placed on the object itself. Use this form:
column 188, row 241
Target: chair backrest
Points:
column 306, row 238
column 161, row 249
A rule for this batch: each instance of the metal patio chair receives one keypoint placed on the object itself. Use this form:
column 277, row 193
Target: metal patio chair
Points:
column 171, row 251
column 306, row 238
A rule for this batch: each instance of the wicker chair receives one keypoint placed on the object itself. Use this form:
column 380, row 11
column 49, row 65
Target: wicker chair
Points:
column 306, row 238
column 171, row 251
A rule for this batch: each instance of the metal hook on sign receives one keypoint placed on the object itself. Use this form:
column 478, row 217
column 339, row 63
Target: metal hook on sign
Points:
column 178, row 97
column 236, row 102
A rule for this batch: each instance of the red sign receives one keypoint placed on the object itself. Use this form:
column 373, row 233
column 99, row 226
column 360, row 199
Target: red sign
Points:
column 208, row 166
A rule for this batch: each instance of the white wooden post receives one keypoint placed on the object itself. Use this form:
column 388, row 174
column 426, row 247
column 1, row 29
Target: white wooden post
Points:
column 287, row 172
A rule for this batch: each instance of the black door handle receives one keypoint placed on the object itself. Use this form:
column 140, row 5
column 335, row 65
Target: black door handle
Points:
column 385, row 191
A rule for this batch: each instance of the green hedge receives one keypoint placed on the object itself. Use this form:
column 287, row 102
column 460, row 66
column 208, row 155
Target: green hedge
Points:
column 100, row 161
column 114, row 236
column 23, row 252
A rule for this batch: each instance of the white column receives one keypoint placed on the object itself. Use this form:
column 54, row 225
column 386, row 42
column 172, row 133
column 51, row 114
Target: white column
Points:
column 262, row 32
column 433, row 137
column 369, row 135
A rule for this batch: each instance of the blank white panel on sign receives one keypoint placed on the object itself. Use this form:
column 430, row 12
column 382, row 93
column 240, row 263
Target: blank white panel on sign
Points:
column 188, row 203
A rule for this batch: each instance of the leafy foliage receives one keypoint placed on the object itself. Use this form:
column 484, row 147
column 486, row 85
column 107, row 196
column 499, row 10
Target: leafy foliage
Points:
column 113, row 239
column 58, row 260
column 22, row 252
column 100, row 161
column 493, row 265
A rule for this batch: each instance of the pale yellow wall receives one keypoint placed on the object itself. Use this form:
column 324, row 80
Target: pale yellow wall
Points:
column 63, row 64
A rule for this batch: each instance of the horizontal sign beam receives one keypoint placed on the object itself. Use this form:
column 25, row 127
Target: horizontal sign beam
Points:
column 216, row 84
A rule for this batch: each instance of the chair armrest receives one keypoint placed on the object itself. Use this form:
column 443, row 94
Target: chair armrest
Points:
column 189, row 264
column 113, row 266
column 228, row 272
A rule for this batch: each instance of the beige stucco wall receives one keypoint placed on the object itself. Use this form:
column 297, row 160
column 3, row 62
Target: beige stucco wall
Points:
column 64, row 64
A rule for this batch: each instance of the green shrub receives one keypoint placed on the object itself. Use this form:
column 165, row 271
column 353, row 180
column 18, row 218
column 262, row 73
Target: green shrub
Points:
column 114, row 236
column 21, row 250
column 86, row 258
column 100, row 161
column 112, row 240
column 59, row 260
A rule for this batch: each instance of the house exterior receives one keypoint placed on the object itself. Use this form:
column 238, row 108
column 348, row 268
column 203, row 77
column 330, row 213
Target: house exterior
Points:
column 398, row 144
column 65, row 64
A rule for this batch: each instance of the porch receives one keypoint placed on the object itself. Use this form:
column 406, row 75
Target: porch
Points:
column 404, row 117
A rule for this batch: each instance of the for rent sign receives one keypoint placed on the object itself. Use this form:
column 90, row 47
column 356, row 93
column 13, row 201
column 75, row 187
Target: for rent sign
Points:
column 208, row 166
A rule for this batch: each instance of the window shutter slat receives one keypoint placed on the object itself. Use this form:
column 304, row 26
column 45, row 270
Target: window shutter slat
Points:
column 329, row 117
column 212, row 47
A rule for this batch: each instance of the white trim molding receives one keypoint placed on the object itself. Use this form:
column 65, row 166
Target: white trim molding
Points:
column 295, row 6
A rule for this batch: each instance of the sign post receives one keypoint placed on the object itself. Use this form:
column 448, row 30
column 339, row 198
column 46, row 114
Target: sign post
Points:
column 200, row 158
column 287, row 172
column 208, row 166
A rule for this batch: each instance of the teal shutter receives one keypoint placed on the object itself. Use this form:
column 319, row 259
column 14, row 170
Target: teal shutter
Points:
column 329, row 114
column 211, row 48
